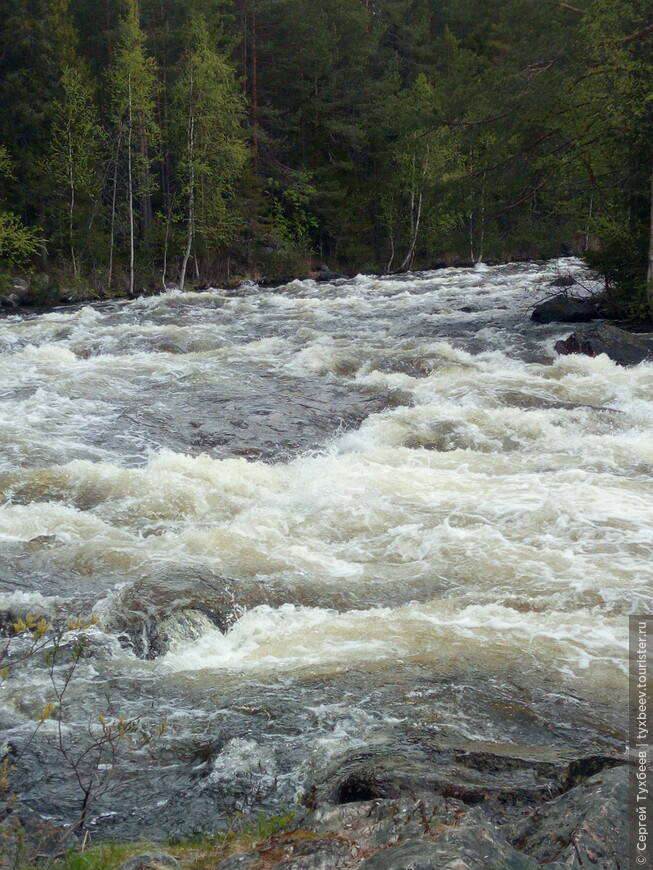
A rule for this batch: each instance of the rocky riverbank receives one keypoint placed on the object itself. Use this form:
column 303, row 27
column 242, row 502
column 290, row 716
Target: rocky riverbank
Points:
column 390, row 820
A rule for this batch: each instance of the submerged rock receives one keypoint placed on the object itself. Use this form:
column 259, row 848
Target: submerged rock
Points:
column 565, row 309
column 623, row 347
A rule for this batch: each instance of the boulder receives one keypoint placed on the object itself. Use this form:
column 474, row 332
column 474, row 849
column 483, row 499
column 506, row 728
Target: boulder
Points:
column 623, row 347
column 20, row 285
column 565, row 309
column 563, row 281
column 10, row 301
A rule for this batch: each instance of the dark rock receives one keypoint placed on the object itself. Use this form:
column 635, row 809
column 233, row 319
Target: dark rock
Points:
column 365, row 785
column 151, row 861
column 623, row 347
column 565, row 309
column 563, row 281
column 490, row 778
column 327, row 275
column 582, row 769
column 11, row 301
column 587, row 826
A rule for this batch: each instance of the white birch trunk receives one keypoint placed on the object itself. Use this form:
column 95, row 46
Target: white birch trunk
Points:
column 130, row 184
column 191, row 191
column 649, row 273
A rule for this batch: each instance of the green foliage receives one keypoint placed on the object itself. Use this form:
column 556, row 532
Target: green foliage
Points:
column 208, row 115
column 74, row 161
column 381, row 135
column 18, row 243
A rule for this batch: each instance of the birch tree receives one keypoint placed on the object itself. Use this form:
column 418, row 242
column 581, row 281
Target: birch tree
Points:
column 211, row 151
column 76, row 153
column 133, row 88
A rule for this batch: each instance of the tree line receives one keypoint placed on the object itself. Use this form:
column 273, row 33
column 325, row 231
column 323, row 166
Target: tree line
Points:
column 170, row 141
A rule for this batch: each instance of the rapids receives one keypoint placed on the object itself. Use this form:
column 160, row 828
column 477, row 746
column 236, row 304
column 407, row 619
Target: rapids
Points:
column 314, row 521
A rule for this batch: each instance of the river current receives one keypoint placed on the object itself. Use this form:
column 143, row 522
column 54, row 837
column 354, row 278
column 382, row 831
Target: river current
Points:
column 373, row 518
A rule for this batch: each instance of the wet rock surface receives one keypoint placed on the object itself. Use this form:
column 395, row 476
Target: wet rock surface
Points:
column 501, row 781
column 586, row 826
column 623, row 347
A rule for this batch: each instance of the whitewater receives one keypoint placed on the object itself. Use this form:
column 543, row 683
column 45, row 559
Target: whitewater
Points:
column 316, row 522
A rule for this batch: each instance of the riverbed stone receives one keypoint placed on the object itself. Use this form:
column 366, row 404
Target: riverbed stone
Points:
column 625, row 348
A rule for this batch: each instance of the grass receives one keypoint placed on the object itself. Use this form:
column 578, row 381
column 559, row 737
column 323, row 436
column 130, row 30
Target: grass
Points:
column 197, row 853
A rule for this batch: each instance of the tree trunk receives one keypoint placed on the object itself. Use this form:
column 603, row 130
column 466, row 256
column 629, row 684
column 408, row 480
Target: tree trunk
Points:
column 649, row 274
column 147, row 217
column 71, row 204
column 130, row 191
column 112, row 235
column 254, row 85
column 191, row 191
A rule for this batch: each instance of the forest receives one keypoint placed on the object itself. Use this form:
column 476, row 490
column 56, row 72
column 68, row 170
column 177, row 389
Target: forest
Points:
column 180, row 142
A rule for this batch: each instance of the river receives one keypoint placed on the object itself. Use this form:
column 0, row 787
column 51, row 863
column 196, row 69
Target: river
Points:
column 316, row 523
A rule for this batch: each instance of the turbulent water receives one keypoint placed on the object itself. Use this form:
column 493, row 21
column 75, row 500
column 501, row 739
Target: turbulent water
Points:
column 317, row 522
